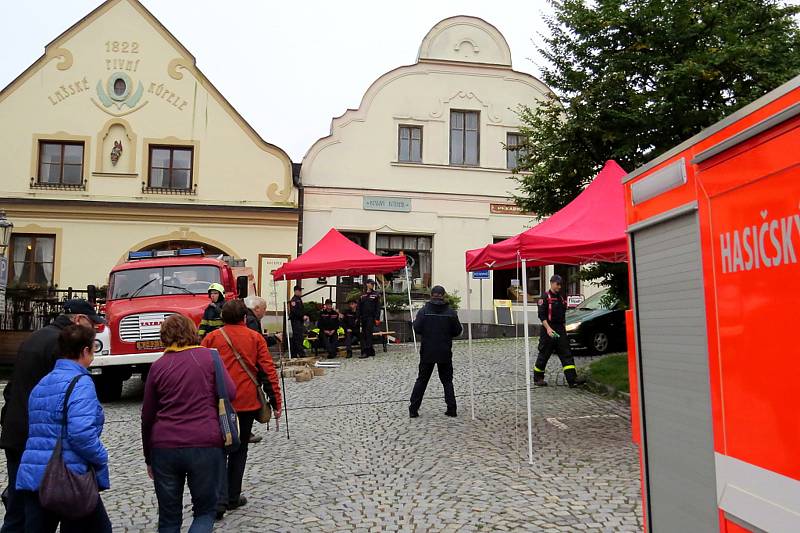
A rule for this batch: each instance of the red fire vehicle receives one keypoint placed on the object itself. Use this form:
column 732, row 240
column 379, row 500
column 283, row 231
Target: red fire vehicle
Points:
column 142, row 293
column 714, row 235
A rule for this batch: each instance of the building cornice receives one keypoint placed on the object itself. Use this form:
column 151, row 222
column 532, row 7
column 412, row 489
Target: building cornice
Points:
column 61, row 209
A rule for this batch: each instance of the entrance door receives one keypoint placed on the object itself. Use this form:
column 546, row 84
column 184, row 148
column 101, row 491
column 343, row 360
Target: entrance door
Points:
column 673, row 362
column 347, row 284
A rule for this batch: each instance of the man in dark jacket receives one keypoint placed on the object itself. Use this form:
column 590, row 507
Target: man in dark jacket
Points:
column 437, row 324
column 369, row 314
column 350, row 325
column 35, row 359
column 328, row 325
column 297, row 316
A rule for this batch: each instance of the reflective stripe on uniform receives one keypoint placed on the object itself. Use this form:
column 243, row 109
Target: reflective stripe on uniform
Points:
column 569, row 367
column 537, row 369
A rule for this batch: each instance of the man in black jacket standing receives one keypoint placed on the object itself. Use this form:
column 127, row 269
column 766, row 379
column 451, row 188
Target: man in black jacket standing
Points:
column 35, row 359
column 296, row 316
column 369, row 314
column 438, row 325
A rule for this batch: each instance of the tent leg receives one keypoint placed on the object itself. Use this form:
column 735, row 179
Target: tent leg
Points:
column 288, row 322
column 411, row 309
column 527, row 358
column 385, row 312
column 469, row 350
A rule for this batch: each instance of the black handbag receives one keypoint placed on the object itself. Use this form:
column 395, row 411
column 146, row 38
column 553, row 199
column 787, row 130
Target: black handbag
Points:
column 62, row 491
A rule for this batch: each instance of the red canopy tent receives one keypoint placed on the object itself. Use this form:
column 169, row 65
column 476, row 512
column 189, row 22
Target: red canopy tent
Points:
column 588, row 229
column 336, row 255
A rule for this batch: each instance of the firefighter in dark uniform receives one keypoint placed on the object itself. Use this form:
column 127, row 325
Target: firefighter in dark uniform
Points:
column 328, row 325
column 351, row 326
column 297, row 316
column 553, row 337
column 369, row 315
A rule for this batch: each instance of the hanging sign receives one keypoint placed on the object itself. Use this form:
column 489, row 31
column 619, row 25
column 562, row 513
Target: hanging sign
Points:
column 480, row 274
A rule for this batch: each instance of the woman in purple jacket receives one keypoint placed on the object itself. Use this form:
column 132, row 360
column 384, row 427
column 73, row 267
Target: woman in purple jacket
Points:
column 180, row 427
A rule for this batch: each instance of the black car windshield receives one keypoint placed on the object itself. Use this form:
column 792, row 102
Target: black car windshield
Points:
column 189, row 279
column 593, row 302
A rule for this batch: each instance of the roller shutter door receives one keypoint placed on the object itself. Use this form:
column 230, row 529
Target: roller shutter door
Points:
column 673, row 362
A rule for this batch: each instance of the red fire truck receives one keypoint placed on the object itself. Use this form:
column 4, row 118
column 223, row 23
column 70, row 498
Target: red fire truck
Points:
column 714, row 235
column 142, row 293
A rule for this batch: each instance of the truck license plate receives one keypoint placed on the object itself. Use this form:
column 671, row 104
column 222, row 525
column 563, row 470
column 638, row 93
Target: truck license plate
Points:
column 149, row 345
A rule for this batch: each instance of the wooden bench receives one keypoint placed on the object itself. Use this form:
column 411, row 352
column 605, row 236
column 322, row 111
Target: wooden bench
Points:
column 383, row 334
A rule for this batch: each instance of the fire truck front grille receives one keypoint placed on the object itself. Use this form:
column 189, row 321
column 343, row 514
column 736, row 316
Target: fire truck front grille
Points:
column 143, row 327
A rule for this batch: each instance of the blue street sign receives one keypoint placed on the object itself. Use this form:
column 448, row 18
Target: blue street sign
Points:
column 480, row 274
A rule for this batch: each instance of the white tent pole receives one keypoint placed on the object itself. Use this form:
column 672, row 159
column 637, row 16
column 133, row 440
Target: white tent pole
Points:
column 469, row 350
column 288, row 322
column 411, row 309
column 385, row 312
column 527, row 357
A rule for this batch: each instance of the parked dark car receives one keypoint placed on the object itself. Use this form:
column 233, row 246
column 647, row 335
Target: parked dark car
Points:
column 596, row 327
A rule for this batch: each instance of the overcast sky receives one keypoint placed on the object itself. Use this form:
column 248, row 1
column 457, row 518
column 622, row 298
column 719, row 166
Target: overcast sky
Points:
column 288, row 67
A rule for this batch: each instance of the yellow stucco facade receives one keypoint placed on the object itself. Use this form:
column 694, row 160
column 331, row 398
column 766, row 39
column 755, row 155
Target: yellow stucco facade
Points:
column 111, row 89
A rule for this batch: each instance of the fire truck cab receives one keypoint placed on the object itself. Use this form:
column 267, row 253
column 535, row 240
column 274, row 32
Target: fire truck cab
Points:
column 714, row 236
column 142, row 293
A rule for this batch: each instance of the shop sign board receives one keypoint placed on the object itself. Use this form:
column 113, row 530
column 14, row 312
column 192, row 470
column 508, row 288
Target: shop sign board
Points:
column 387, row 203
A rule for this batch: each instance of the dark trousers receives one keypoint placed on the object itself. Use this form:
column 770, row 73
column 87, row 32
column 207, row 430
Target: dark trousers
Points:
column 547, row 346
column 37, row 520
column 201, row 468
column 298, row 336
column 330, row 342
column 349, row 338
column 445, row 376
column 230, row 487
column 14, row 520
column 367, row 327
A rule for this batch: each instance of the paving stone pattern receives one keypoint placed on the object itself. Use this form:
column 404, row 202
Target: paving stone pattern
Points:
column 356, row 462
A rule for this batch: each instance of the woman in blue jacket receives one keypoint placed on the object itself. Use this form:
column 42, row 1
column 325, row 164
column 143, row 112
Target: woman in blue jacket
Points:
column 81, row 446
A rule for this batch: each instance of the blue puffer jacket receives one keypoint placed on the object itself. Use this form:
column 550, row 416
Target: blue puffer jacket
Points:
column 82, row 445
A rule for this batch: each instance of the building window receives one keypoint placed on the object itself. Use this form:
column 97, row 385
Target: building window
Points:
column 60, row 163
column 464, row 138
column 514, row 149
column 418, row 251
column 410, row 144
column 32, row 258
column 506, row 284
column 171, row 168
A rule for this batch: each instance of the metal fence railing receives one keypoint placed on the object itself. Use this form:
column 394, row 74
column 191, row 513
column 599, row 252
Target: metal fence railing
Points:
column 31, row 309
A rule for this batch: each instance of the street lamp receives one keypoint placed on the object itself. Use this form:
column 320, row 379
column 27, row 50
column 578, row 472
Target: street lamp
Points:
column 5, row 232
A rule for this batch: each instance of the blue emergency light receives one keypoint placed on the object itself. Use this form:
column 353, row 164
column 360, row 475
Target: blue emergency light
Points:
column 150, row 254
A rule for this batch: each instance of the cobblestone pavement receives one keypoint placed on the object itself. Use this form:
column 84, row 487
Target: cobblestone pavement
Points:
column 356, row 462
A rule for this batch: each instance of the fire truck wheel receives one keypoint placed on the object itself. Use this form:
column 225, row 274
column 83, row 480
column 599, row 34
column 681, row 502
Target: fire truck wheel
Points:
column 600, row 342
column 109, row 388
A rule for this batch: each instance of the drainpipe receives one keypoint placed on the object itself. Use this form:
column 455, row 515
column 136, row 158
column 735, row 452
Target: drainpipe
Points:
column 300, row 202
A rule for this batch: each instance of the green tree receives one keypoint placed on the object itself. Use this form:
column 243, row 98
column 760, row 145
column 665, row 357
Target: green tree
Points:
column 633, row 78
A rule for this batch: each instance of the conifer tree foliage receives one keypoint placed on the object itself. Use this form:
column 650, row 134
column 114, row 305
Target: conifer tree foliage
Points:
column 633, row 78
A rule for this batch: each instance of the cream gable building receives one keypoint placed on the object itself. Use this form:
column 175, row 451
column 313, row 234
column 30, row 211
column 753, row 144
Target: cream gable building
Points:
column 114, row 141
column 421, row 166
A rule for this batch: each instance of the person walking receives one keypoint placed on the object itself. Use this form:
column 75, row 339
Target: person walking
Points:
column 36, row 358
column 369, row 315
column 328, row 325
column 181, row 437
column 553, row 336
column 350, row 325
column 64, row 407
column 243, row 352
column 297, row 316
column 211, row 316
column 438, row 325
